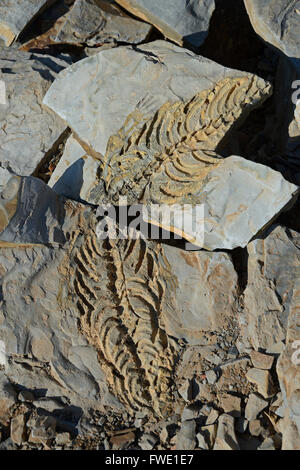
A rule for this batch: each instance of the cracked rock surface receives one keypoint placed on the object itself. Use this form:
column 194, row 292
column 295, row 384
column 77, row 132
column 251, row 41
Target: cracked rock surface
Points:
column 123, row 324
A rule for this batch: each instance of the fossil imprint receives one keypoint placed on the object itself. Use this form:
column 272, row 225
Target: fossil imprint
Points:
column 166, row 159
column 119, row 287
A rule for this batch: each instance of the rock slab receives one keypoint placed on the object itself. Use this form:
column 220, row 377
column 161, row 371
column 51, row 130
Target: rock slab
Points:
column 94, row 23
column 15, row 15
column 177, row 20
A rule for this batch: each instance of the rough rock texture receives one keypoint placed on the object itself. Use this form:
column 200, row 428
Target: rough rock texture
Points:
column 161, row 153
column 204, row 286
column 177, row 20
column 31, row 213
column 278, row 23
column 153, row 80
column 239, row 199
column 76, row 173
column 273, row 268
column 226, row 437
column 119, row 297
column 289, row 375
column 117, row 334
column 15, row 15
column 27, row 130
column 93, row 23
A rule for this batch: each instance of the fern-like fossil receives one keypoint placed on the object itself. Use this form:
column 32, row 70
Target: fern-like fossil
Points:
column 119, row 289
column 167, row 158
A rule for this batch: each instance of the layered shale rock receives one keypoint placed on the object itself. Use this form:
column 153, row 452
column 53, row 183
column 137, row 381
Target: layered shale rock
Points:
column 158, row 77
column 177, row 20
column 41, row 338
column 289, row 374
column 94, row 22
column 239, row 198
column 15, row 15
column 273, row 269
column 139, row 303
column 28, row 131
column 76, row 172
column 31, row 213
column 164, row 151
column 278, row 23
column 128, row 302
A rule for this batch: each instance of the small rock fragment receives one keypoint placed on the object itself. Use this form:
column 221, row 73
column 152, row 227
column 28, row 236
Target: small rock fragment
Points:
column 212, row 417
column 75, row 174
column 190, row 412
column 263, row 380
column 226, row 438
column 28, row 131
column 255, row 428
column 254, row 406
column 177, row 20
column 17, row 429
column 209, row 433
column 42, row 429
column 121, row 441
column 231, row 405
column 186, row 437
column 261, row 361
column 15, row 16
column 268, row 444
column 25, row 202
column 93, row 23
column 211, row 376
column 148, row 441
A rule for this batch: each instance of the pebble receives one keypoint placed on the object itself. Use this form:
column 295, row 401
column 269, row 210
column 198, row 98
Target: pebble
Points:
column 255, row 405
column 263, row 380
column 261, row 361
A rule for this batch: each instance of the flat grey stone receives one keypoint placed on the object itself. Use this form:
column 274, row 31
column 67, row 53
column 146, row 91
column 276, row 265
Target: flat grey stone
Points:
column 31, row 213
column 76, row 172
column 16, row 14
column 27, row 130
column 147, row 441
column 273, row 268
column 263, row 380
column 226, row 437
column 177, row 20
column 204, row 286
column 110, row 95
column 186, row 437
column 255, row 405
column 278, row 23
column 238, row 197
column 95, row 23
column 289, row 375
column 211, row 376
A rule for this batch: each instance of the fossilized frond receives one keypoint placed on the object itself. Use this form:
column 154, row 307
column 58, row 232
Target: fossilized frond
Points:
column 172, row 153
column 119, row 289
